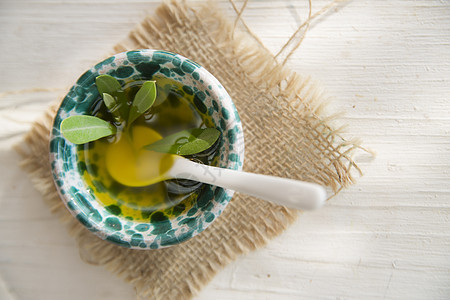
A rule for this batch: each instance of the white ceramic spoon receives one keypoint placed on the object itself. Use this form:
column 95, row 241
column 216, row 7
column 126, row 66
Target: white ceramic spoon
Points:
column 137, row 168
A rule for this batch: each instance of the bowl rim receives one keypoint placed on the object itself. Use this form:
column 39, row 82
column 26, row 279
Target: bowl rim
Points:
column 83, row 205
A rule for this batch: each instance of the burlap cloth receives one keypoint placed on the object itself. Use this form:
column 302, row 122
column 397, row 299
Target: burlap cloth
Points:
column 285, row 135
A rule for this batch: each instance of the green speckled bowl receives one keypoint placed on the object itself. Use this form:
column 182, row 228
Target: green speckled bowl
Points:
column 164, row 227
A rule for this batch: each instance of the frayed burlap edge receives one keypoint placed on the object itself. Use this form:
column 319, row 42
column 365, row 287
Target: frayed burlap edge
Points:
column 285, row 131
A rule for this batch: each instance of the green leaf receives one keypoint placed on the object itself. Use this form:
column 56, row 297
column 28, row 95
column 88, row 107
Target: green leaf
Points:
column 143, row 100
column 110, row 102
column 112, row 105
column 186, row 142
column 107, row 84
column 84, row 129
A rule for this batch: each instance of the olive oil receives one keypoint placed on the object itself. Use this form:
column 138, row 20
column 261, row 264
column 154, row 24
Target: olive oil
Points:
column 117, row 167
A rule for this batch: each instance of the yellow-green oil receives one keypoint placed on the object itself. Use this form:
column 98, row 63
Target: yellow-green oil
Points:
column 172, row 112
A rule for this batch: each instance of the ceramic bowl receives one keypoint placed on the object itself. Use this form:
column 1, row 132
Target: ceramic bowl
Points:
column 165, row 227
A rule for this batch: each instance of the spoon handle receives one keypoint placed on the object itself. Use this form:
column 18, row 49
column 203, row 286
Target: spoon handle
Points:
column 288, row 192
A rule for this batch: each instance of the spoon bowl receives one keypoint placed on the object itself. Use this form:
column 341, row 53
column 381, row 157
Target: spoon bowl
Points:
column 131, row 165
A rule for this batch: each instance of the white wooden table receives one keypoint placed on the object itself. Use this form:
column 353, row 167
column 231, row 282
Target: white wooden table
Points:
column 386, row 64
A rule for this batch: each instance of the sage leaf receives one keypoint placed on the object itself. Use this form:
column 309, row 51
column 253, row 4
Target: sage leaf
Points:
column 107, row 84
column 112, row 105
column 143, row 100
column 110, row 102
column 84, row 129
column 186, row 142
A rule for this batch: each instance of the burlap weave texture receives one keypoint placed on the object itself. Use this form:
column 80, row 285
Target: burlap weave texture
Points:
column 285, row 135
